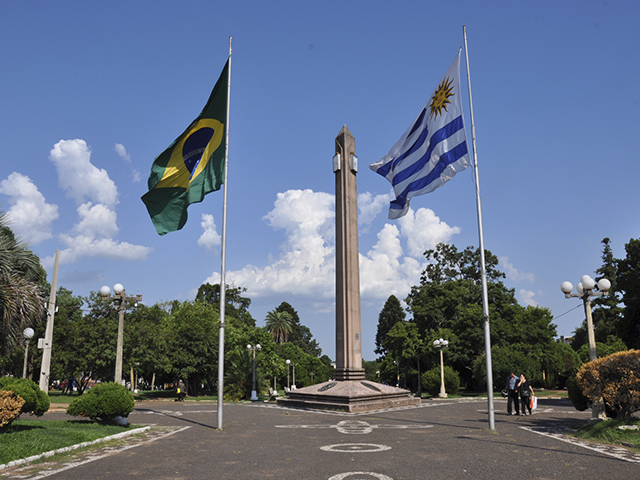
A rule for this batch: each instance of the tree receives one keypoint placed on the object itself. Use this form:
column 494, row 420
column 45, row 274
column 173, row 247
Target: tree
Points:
column 22, row 297
column 449, row 299
column 390, row 314
column 300, row 334
column 235, row 304
column 404, row 345
column 280, row 325
column 628, row 282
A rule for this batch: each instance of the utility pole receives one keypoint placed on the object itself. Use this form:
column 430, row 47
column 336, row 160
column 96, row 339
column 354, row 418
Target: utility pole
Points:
column 48, row 336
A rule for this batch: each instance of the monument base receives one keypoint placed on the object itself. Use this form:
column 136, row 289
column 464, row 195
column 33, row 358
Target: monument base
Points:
column 349, row 396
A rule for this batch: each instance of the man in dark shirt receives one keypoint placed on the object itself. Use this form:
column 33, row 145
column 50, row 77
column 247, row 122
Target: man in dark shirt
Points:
column 512, row 388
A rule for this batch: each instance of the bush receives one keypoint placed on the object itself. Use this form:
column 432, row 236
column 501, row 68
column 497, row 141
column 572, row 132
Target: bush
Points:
column 578, row 399
column 615, row 379
column 36, row 402
column 10, row 407
column 103, row 402
column 431, row 381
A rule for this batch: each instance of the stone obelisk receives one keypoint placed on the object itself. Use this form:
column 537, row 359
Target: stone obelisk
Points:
column 349, row 392
column 348, row 338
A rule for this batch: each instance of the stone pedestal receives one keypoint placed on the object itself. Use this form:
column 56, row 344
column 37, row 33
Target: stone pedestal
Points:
column 349, row 396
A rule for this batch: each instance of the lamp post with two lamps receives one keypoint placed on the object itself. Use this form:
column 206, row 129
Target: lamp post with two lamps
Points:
column 28, row 334
column 585, row 291
column 440, row 344
column 121, row 299
column 254, row 348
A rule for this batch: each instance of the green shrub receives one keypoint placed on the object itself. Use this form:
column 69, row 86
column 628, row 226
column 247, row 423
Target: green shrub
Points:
column 578, row 399
column 36, row 402
column 615, row 379
column 431, row 381
column 103, row 402
column 10, row 407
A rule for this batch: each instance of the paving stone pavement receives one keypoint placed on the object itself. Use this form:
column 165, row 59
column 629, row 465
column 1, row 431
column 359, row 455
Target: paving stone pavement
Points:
column 440, row 439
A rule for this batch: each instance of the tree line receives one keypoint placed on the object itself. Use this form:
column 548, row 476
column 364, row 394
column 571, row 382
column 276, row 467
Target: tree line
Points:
column 448, row 304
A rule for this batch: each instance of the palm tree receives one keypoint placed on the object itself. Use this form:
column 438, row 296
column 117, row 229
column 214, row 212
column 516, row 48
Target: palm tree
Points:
column 280, row 325
column 21, row 296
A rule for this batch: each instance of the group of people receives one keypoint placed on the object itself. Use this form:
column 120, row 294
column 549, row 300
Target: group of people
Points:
column 518, row 387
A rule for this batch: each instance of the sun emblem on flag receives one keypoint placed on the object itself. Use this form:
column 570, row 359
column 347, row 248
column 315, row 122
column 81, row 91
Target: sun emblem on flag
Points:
column 440, row 98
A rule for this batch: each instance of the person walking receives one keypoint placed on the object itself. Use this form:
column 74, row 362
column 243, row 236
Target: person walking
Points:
column 181, row 390
column 512, row 389
column 525, row 390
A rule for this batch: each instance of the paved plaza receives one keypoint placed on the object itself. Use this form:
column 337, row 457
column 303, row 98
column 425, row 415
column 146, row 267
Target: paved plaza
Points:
column 440, row 439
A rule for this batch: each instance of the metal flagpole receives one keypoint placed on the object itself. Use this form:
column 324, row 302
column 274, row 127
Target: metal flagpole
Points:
column 485, row 295
column 223, row 254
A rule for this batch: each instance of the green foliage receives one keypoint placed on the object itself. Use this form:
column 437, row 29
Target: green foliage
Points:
column 300, row 334
column 280, row 325
column 235, row 304
column 391, row 314
column 431, row 381
column 22, row 297
column 503, row 361
column 615, row 379
column 628, row 282
column 578, row 399
column 103, row 402
column 36, row 402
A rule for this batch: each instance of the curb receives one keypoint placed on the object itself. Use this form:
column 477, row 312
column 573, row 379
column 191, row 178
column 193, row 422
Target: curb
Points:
column 72, row 447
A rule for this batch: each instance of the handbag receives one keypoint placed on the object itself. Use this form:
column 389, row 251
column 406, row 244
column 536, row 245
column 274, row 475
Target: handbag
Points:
column 533, row 402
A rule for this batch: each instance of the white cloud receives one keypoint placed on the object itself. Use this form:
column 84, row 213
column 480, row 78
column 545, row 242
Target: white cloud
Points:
column 306, row 264
column 424, row 230
column 136, row 176
column 514, row 274
column 120, row 150
column 526, row 297
column 370, row 206
column 83, row 246
column 96, row 196
column 31, row 216
column 210, row 238
column 96, row 221
column 78, row 177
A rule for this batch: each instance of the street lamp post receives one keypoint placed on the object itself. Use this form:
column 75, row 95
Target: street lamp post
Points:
column 121, row 299
column 253, row 348
column 395, row 362
column 440, row 345
column 27, row 333
column 585, row 292
column 288, row 362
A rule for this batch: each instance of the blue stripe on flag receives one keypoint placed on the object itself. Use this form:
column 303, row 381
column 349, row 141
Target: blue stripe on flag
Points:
column 445, row 160
column 437, row 137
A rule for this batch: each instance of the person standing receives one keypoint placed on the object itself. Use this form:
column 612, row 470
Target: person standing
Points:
column 181, row 390
column 512, row 389
column 525, row 389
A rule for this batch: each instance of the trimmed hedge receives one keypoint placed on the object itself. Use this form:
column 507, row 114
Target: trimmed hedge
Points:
column 615, row 379
column 36, row 402
column 103, row 402
column 10, row 407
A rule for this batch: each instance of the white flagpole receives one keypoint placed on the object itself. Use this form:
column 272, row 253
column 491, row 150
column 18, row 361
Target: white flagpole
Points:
column 223, row 254
column 485, row 295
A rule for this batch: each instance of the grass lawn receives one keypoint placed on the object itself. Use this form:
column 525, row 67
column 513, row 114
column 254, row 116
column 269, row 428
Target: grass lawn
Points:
column 25, row 438
column 609, row 431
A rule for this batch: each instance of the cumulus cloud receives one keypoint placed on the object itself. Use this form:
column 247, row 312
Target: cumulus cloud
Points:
column 30, row 215
column 369, row 206
column 210, row 237
column 120, row 150
column 78, row 177
column 96, row 196
column 526, row 297
column 306, row 264
column 514, row 274
column 423, row 230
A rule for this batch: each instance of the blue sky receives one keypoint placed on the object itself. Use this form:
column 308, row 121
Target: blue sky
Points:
column 93, row 91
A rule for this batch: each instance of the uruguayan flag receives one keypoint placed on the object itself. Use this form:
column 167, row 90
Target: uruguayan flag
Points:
column 432, row 150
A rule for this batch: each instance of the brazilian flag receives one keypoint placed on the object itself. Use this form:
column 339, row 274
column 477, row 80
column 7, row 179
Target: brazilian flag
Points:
column 192, row 166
